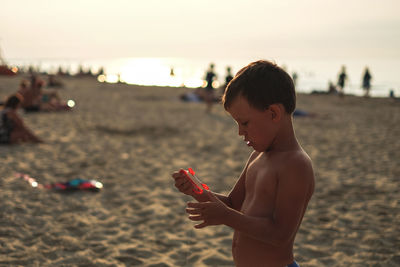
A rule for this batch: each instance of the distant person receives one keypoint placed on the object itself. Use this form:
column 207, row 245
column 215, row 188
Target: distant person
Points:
column 54, row 81
column 332, row 90
column 12, row 128
column 366, row 82
column 342, row 81
column 193, row 96
column 228, row 78
column 36, row 99
column 31, row 96
column 268, row 201
column 209, row 90
column 391, row 94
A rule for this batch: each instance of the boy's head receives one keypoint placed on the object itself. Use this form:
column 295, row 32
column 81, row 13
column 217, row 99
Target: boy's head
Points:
column 262, row 83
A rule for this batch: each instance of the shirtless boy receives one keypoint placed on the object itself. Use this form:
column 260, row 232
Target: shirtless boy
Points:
column 267, row 204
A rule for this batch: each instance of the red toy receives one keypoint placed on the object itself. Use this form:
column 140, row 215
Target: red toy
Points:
column 197, row 184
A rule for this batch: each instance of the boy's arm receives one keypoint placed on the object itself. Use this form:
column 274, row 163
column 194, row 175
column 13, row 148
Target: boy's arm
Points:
column 294, row 191
column 235, row 198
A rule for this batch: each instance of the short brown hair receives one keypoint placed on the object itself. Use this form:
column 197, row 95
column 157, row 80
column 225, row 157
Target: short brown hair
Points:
column 262, row 83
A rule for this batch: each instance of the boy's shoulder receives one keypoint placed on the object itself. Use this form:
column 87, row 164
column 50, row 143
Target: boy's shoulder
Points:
column 298, row 156
column 295, row 159
column 297, row 169
column 291, row 163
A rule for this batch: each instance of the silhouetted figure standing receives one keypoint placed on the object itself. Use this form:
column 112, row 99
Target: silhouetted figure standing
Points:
column 209, row 90
column 228, row 78
column 391, row 94
column 342, row 81
column 366, row 83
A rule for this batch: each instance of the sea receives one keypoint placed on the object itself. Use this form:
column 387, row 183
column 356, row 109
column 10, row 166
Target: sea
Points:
column 312, row 74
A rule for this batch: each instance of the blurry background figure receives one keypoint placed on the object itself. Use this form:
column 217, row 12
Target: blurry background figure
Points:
column 391, row 94
column 53, row 81
column 332, row 88
column 342, row 81
column 12, row 127
column 366, row 82
column 209, row 90
column 31, row 94
column 228, row 78
column 36, row 99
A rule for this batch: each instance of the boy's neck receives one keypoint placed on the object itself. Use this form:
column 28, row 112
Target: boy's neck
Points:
column 285, row 139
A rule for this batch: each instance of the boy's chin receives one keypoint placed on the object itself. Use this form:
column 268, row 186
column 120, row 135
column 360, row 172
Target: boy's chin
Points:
column 258, row 149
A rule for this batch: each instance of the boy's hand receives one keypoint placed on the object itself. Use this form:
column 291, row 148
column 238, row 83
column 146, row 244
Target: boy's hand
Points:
column 182, row 183
column 212, row 212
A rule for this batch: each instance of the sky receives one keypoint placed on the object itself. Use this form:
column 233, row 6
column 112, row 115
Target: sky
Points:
column 200, row 28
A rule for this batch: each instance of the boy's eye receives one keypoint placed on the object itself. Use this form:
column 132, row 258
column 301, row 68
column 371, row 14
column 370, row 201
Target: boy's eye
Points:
column 244, row 123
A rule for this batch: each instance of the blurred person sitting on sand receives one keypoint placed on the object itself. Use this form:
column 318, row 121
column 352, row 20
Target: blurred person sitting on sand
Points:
column 31, row 96
column 12, row 127
column 267, row 204
column 209, row 89
column 332, row 90
column 54, row 81
column 196, row 95
column 36, row 99
column 51, row 101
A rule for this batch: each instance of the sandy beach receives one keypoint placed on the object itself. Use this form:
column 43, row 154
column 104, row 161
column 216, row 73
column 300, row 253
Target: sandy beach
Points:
column 131, row 138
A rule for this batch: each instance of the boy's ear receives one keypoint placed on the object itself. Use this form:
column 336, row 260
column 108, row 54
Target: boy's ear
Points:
column 276, row 112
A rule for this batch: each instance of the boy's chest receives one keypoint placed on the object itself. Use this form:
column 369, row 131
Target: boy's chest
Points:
column 261, row 185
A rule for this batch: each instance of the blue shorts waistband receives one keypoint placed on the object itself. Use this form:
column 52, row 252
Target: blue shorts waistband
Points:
column 293, row 264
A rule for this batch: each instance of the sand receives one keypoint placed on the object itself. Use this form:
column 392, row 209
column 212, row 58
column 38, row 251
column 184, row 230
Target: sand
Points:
column 131, row 138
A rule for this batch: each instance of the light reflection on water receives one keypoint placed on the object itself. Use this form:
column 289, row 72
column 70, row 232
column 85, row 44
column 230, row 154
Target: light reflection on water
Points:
column 153, row 71
column 190, row 72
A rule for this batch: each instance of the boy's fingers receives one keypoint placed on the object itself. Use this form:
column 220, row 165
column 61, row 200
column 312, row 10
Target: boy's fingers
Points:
column 195, row 205
column 176, row 175
column 179, row 182
column 196, row 218
column 202, row 225
column 193, row 211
